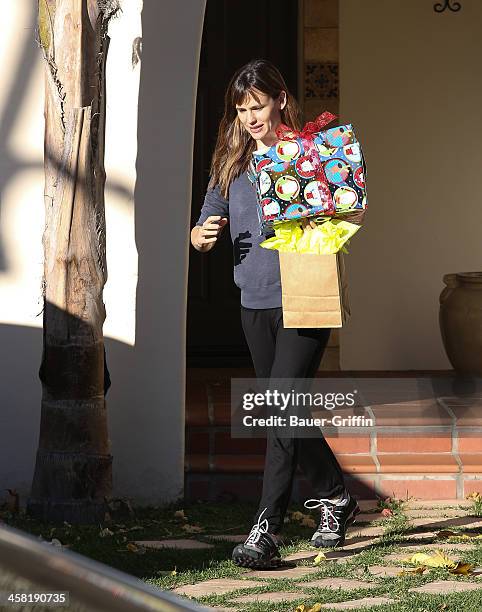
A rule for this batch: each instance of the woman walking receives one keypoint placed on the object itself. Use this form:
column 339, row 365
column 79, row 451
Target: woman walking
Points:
column 256, row 102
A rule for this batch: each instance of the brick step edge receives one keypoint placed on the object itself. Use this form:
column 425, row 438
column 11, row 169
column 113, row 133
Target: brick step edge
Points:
column 247, row 487
column 451, row 463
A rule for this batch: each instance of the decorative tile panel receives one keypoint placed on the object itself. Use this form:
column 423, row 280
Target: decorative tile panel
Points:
column 321, row 80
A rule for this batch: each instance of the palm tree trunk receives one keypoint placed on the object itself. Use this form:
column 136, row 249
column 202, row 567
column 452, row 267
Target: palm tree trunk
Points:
column 73, row 471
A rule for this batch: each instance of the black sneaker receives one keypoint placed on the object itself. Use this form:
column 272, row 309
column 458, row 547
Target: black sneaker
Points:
column 335, row 518
column 259, row 550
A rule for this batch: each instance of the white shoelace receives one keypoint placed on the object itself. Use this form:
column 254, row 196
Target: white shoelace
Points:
column 327, row 510
column 258, row 529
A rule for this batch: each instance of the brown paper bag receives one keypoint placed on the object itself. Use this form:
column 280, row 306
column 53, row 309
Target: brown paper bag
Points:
column 314, row 290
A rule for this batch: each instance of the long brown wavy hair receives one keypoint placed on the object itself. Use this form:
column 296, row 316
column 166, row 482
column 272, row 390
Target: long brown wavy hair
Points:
column 234, row 145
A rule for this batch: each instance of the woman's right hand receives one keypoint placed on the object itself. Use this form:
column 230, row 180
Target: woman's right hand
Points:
column 204, row 237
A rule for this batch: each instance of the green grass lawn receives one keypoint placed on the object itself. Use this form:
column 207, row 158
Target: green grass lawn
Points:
column 169, row 568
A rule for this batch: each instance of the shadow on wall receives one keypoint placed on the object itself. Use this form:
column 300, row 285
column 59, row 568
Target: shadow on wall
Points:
column 20, row 405
column 133, row 420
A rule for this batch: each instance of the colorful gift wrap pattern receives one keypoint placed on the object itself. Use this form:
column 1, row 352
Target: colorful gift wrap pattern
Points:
column 288, row 181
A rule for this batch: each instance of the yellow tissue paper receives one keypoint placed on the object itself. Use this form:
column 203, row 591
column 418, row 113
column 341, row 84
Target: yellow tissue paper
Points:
column 325, row 239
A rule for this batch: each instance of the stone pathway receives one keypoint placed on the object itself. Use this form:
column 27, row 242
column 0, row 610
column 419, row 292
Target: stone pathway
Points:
column 441, row 587
column 217, row 586
column 356, row 604
column 303, row 578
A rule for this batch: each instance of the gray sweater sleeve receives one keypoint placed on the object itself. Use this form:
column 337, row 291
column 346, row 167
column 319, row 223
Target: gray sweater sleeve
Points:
column 214, row 204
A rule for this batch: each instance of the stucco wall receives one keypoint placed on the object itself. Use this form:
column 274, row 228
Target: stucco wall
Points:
column 149, row 138
column 410, row 83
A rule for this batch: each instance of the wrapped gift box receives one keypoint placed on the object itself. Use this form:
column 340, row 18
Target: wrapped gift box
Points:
column 310, row 173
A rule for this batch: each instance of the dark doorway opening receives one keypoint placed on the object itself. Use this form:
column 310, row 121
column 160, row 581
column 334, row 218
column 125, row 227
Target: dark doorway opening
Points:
column 234, row 33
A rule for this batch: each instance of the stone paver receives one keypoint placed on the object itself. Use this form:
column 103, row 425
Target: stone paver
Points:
column 440, row 544
column 359, row 603
column 437, row 503
column 396, row 557
column 441, row 587
column 366, row 517
column 283, row 572
column 179, row 544
column 438, row 513
column 225, row 537
column 337, row 583
column 423, row 535
column 271, row 597
column 301, row 555
column 470, row 522
column 366, row 531
column 357, row 544
column 381, row 571
column 340, row 554
column 217, row 586
column 367, row 504
column 428, row 548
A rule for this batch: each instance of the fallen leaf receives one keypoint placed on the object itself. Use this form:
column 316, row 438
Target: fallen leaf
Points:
column 308, row 522
column 417, row 570
column 303, row 608
column 319, row 558
column 297, row 516
column 179, row 514
column 439, row 559
column 462, row 568
column 139, row 550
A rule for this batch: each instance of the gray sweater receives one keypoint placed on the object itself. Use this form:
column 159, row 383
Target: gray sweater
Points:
column 256, row 270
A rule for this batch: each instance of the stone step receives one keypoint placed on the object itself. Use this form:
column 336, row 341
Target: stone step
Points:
column 429, row 449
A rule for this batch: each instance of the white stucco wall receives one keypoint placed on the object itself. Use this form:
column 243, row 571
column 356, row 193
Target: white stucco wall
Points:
column 148, row 194
column 410, row 83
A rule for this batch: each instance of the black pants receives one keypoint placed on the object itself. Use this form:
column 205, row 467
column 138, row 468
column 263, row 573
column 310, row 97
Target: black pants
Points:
column 289, row 353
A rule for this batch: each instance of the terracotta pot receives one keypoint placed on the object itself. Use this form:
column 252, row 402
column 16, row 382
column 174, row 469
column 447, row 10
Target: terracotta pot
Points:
column 461, row 321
